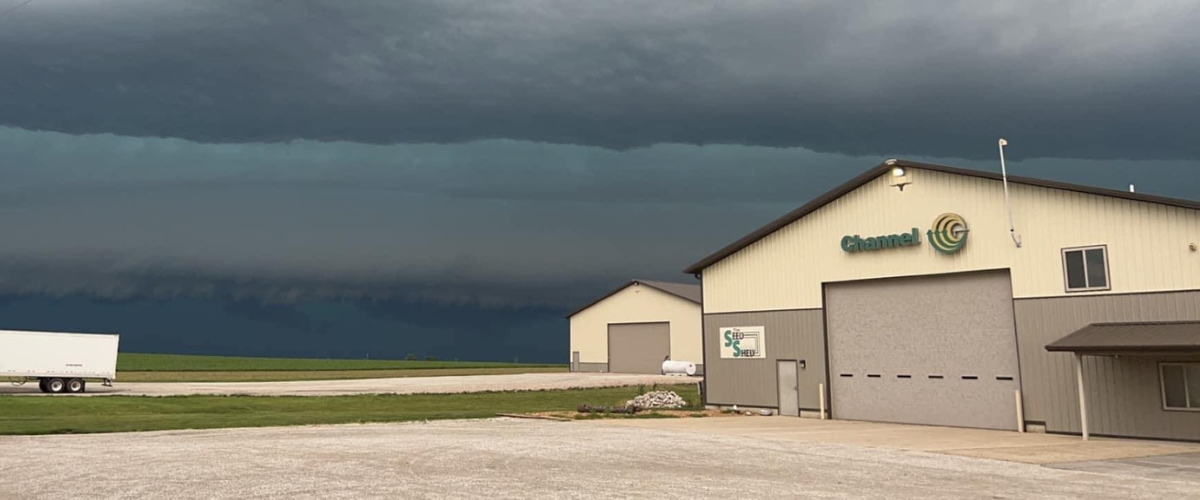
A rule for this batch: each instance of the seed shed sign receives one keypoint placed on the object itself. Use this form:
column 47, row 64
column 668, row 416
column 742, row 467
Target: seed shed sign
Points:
column 743, row 342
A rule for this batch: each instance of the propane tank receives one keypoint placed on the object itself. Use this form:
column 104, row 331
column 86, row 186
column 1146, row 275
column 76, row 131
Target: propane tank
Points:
column 672, row 367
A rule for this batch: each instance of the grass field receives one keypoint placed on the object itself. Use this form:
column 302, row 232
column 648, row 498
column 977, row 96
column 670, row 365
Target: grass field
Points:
column 133, row 367
column 282, row 375
column 133, row 362
column 62, row 415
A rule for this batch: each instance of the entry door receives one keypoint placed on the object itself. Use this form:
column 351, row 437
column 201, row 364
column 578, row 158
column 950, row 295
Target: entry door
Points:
column 788, row 382
column 575, row 361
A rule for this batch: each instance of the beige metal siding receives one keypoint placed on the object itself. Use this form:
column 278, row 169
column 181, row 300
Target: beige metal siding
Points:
column 638, row 348
column 752, row 382
column 887, row 337
column 1147, row 243
column 1123, row 393
column 637, row 304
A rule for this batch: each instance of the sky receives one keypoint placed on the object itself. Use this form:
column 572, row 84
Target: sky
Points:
column 509, row 160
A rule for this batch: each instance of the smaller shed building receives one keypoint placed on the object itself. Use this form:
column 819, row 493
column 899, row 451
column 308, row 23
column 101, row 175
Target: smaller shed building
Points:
column 635, row 327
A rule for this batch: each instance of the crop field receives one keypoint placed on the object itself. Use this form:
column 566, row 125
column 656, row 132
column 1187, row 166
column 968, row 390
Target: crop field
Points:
column 133, row 367
column 133, row 362
column 69, row 415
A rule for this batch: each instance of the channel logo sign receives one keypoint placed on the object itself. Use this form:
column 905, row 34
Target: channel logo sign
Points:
column 949, row 233
column 743, row 342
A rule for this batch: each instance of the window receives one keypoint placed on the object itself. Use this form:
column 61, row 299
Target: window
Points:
column 1180, row 385
column 1086, row 268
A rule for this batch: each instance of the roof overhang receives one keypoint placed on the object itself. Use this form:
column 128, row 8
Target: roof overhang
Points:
column 1131, row 339
column 886, row 167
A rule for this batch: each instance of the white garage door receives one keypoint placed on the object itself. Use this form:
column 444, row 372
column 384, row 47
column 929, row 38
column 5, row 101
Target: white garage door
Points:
column 938, row 350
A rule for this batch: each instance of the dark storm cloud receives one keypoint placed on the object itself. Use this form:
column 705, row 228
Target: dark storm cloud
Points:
column 1072, row 79
column 500, row 223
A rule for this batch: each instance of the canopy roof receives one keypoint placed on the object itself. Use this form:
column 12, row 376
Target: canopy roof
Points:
column 1141, row 337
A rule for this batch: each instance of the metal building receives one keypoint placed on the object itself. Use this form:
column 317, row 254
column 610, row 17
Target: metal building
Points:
column 636, row 327
column 905, row 295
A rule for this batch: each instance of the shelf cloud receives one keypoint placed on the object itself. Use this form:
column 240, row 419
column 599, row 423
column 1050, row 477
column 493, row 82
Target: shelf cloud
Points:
column 1071, row 79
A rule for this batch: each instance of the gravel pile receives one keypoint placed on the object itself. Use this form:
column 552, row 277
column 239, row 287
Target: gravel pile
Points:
column 657, row 399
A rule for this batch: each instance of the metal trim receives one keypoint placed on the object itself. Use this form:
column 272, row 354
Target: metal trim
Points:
column 1117, row 294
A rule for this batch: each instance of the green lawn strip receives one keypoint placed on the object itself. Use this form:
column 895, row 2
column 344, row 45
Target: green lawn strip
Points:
column 280, row 376
column 131, row 362
column 64, row 415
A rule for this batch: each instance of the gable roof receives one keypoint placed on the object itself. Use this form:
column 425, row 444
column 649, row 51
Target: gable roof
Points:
column 884, row 167
column 685, row 291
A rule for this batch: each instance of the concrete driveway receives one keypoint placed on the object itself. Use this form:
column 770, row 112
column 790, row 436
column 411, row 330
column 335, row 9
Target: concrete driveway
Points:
column 528, row 459
column 411, row 385
column 1027, row 448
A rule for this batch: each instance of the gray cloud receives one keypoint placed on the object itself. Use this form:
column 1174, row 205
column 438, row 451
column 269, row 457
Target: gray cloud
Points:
column 501, row 223
column 1064, row 79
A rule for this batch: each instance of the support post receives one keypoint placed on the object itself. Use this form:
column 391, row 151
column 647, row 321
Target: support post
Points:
column 821, row 389
column 1020, row 413
column 1082, row 395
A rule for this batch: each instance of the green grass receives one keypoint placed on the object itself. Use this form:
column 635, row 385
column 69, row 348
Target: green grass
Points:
column 133, row 362
column 279, row 376
column 69, row 415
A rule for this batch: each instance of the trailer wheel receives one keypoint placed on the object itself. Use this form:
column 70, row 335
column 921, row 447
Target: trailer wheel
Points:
column 42, row 385
column 56, row 385
column 75, row 386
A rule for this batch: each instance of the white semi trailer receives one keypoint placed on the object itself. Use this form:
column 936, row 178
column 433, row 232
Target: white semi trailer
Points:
column 60, row 362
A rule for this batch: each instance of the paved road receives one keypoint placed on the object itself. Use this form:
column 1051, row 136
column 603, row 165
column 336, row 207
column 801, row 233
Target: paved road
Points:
column 410, row 385
column 497, row 459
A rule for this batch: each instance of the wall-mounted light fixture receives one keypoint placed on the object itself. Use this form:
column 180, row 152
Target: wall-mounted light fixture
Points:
column 899, row 176
column 801, row 363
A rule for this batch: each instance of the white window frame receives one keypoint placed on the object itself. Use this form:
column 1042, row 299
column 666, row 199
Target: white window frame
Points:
column 1187, row 396
column 1083, row 251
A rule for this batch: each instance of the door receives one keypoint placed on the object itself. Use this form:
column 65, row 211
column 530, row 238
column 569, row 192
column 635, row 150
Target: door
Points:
column 936, row 350
column 575, row 361
column 638, row 347
column 788, row 382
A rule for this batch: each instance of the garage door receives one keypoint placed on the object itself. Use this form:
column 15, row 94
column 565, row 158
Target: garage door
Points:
column 930, row 350
column 638, row 348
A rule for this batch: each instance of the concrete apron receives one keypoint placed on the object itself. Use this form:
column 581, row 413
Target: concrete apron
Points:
column 1009, row 446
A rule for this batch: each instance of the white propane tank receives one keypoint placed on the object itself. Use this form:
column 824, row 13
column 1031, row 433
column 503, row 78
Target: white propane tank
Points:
column 671, row 367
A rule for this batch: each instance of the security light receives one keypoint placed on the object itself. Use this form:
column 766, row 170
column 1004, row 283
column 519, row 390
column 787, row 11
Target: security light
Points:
column 899, row 176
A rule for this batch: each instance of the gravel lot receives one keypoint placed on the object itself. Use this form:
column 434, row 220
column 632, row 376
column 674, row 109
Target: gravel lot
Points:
column 518, row 459
column 409, row 385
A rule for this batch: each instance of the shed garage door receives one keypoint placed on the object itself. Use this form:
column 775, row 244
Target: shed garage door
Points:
column 937, row 350
column 638, row 348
